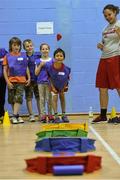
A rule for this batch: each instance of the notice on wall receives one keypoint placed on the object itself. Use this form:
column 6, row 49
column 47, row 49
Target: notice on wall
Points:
column 44, row 27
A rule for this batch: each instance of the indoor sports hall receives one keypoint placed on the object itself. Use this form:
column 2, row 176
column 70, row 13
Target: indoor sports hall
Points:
column 84, row 142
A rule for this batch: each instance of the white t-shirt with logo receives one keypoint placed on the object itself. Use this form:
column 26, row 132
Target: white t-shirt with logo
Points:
column 111, row 41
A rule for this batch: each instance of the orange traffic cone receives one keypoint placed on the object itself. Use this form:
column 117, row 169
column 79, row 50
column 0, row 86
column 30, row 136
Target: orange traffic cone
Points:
column 6, row 119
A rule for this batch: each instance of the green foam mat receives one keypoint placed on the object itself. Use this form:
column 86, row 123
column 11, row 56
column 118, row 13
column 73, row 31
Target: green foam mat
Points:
column 62, row 133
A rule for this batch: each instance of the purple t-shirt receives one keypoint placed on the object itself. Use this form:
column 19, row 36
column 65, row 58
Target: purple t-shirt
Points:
column 58, row 77
column 31, row 64
column 42, row 77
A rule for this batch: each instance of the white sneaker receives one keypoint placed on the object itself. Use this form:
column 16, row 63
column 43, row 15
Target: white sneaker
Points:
column 20, row 120
column 14, row 120
column 39, row 117
column 32, row 118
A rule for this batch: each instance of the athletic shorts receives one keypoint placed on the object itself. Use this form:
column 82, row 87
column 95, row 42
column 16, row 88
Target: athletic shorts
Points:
column 15, row 95
column 108, row 73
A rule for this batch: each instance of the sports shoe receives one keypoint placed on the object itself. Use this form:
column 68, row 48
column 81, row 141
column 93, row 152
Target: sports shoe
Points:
column 31, row 118
column 20, row 120
column 50, row 118
column 65, row 119
column 99, row 119
column 118, row 120
column 14, row 120
column 57, row 120
column 112, row 120
column 43, row 119
column 1, row 119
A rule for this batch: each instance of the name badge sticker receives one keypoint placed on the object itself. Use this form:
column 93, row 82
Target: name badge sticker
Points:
column 1, row 59
column 61, row 73
column 20, row 59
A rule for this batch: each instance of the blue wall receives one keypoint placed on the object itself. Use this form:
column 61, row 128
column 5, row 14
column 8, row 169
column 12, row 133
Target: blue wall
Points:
column 80, row 22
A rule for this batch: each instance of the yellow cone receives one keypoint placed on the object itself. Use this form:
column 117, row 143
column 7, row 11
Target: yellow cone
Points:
column 6, row 119
column 113, row 113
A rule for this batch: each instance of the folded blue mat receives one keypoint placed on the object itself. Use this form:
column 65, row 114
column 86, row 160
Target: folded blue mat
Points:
column 64, row 144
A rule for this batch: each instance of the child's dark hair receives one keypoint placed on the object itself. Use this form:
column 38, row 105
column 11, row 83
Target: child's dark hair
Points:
column 59, row 50
column 43, row 45
column 26, row 40
column 112, row 7
column 15, row 40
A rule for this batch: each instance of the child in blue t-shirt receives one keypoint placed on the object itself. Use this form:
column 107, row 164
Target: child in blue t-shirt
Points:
column 17, row 76
column 58, row 74
column 33, row 87
column 43, row 83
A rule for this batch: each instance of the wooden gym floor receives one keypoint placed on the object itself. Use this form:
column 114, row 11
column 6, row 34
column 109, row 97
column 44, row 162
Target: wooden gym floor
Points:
column 17, row 143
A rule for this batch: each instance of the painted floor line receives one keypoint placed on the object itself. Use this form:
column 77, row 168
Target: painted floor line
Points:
column 106, row 145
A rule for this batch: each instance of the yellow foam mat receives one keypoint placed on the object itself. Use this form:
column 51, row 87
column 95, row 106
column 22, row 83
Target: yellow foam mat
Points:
column 65, row 126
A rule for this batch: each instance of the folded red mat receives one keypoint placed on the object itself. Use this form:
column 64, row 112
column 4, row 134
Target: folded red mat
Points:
column 45, row 165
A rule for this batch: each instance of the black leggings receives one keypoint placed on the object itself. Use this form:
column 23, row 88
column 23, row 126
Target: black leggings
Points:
column 2, row 95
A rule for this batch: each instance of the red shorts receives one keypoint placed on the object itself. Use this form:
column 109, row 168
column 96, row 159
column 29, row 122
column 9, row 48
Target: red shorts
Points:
column 108, row 73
